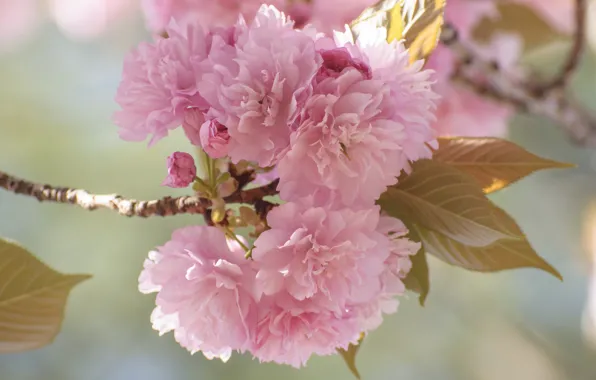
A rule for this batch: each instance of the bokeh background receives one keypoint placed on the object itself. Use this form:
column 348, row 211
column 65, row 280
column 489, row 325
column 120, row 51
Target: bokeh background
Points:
column 60, row 64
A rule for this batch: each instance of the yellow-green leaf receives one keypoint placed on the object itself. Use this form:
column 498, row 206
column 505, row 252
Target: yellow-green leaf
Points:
column 494, row 163
column 501, row 255
column 417, row 22
column 349, row 356
column 417, row 279
column 32, row 299
column 443, row 199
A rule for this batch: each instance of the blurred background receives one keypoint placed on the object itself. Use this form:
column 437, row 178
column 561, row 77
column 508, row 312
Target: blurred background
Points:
column 60, row 63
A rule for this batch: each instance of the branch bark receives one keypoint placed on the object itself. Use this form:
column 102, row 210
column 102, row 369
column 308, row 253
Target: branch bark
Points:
column 166, row 206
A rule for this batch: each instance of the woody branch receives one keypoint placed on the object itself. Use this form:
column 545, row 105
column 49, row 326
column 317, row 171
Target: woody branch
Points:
column 166, row 206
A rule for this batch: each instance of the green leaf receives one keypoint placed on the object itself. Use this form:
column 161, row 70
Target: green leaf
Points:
column 494, row 163
column 32, row 299
column 417, row 279
column 443, row 199
column 349, row 356
column 501, row 255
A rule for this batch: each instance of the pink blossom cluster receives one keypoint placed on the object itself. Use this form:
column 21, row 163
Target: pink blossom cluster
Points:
column 338, row 120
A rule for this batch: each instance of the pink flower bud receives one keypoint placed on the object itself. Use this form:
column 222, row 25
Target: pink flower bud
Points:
column 215, row 138
column 335, row 61
column 181, row 170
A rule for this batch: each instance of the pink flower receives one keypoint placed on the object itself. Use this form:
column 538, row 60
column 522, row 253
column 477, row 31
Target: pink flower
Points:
column 313, row 251
column 215, row 138
column 397, row 266
column 204, row 292
column 356, row 134
column 160, row 81
column 206, row 12
column 291, row 331
column 181, row 170
column 260, row 101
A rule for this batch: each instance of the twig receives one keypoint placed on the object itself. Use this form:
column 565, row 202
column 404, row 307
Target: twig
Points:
column 573, row 58
column 495, row 83
column 166, row 206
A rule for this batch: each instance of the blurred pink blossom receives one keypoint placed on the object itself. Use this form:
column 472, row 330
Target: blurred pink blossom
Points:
column 462, row 112
column 18, row 20
column 325, row 15
column 206, row 12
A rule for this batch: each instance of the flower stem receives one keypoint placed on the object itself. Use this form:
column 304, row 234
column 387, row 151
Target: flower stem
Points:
column 232, row 235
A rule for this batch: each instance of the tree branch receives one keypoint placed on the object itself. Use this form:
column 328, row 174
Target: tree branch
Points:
column 573, row 58
column 495, row 83
column 166, row 206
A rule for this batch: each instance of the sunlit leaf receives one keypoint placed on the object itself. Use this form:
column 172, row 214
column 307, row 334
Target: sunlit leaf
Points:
column 349, row 356
column 494, row 163
column 32, row 299
column 443, row 199
column 417, row 22
column 501, row 255
column 417, row 279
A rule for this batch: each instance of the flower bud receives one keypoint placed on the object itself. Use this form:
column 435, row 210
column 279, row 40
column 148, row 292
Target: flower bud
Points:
column 181, row 170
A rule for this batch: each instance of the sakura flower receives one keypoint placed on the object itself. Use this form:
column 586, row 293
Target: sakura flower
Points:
column 159, row 90
column 260, row 102
column 397, row 265
column 368, row 118
column 214, row 138
column 181, row 170
column 290, row 331
column 314, row 251
column 204, row 295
